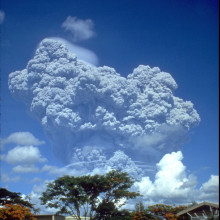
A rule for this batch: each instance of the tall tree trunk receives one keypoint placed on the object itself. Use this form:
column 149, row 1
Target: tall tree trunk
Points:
column 78, row 214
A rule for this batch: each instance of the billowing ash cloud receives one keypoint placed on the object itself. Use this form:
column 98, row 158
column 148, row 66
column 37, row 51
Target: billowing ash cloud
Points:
column 82, row 53
column 85, row 109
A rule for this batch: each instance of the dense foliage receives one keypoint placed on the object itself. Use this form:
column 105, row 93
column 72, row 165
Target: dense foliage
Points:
column 7, row 197
column 98, row 195
column 154, row 212
column 15, row 212
column 165, row 211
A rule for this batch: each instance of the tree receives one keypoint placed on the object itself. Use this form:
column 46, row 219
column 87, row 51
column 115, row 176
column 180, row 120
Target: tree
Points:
column 108, row 211
column 116, row 185
column 15, row 212
column 98, row 195
column 7, row 197
column 105, row 210
column 121, row 215
column 139, row 207
column 140, row 212
column 165, row 211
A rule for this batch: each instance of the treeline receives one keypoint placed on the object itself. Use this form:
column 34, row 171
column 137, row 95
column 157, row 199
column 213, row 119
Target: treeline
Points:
column 99, row 197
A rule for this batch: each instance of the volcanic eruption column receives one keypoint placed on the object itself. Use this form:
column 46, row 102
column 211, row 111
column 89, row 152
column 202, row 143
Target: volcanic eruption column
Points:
column 89, row 112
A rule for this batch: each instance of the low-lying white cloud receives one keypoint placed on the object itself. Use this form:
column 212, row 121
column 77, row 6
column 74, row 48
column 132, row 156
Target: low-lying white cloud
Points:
column 210, row 189
column 80, row 29
column 211, row 185
column 26, row 155
column 173, row 185
column 5, row 178
column 60, row 171
column 22, row 138
column 25, row 169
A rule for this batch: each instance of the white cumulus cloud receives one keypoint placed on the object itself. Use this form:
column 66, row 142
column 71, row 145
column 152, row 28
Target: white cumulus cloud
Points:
column 5, row 178
column 22, row 138
column 80, row 29
column 209, row 190
column 172, row 184
column 60, row 171
column 25, row 169
column 26, row 155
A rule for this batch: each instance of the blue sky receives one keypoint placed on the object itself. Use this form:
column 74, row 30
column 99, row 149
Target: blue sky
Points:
column 179, row 37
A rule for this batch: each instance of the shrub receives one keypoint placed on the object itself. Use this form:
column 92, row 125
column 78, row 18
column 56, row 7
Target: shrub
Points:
column 16, row 212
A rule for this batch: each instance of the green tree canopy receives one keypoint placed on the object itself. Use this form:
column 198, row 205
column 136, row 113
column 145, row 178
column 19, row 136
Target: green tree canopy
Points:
column 98, row 195
column 8, row 197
